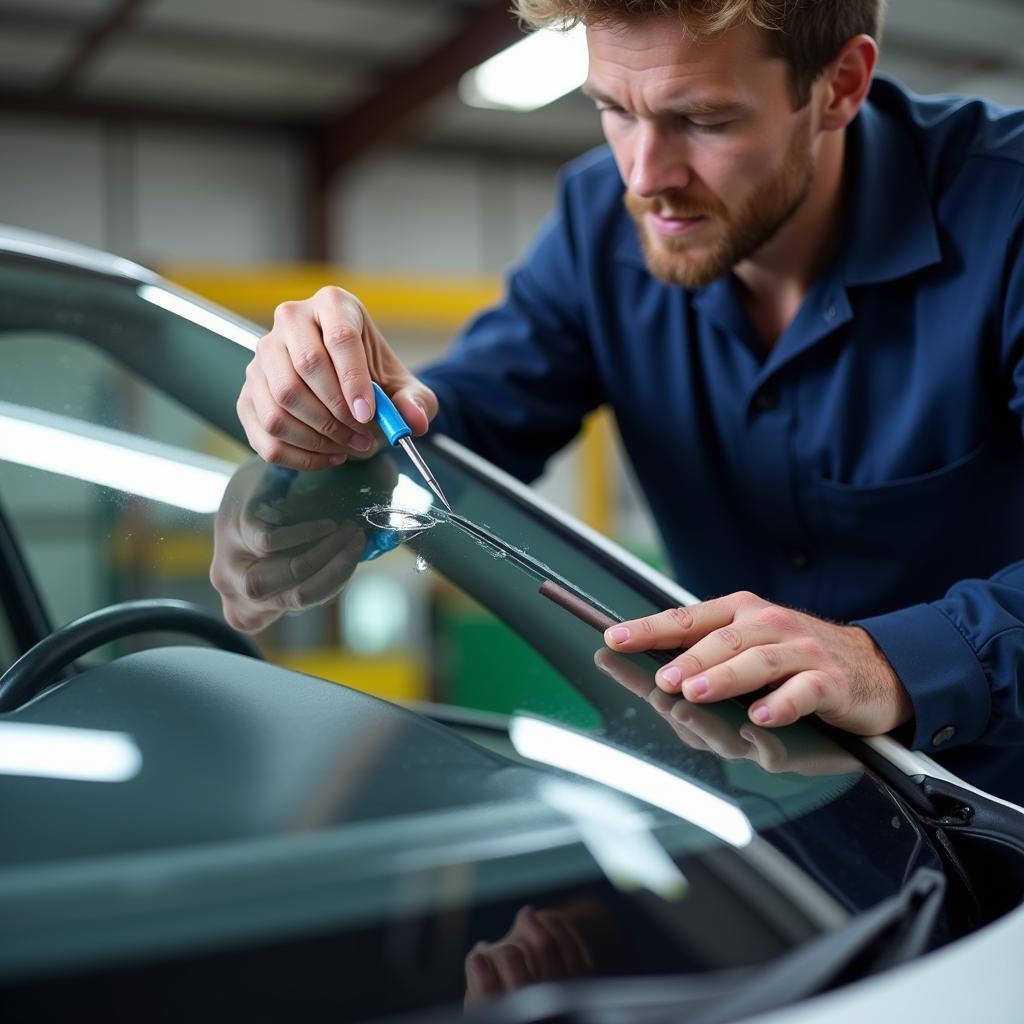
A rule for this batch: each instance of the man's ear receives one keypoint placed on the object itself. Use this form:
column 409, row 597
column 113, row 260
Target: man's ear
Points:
column 844, row 83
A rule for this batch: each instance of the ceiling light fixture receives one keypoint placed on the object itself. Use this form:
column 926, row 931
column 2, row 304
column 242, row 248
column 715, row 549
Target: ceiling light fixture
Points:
column 529, row 74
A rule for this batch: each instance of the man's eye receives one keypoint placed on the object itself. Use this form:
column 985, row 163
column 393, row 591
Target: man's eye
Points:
column 707, row 126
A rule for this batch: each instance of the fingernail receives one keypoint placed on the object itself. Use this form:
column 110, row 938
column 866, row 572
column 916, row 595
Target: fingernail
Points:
column 697, row 687
column 361, row 407
column 762, row 713
column 360, row 442
column 671, row 675
column 337, row 460
column 619, row 634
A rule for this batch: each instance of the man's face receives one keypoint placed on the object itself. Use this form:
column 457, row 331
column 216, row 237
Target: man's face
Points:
column 714, row 158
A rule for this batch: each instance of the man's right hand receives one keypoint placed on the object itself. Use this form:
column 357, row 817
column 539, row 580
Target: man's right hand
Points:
column 307, row 401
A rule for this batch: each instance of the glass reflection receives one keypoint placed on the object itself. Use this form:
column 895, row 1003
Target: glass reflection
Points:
column 113, row 458
column 561, row 748
column 66, row 752
column 287, row 541
column 724, row 731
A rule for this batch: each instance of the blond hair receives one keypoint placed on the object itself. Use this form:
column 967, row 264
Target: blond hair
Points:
column 807, row 34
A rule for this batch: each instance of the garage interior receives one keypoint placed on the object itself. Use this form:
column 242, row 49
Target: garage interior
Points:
column 254, row 150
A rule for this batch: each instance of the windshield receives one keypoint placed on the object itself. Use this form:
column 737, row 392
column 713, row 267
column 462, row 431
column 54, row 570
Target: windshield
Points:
column 120, row 482
column 372, row 530
column 123, row 475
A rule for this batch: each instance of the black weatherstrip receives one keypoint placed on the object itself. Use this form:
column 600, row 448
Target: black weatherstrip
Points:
column 28, row 620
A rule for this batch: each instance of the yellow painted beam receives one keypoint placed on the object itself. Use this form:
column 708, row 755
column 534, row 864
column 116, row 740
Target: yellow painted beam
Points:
column 597, row 473
column 431, row 304
column 174, row 554
column 424, row 303
column 391, row 677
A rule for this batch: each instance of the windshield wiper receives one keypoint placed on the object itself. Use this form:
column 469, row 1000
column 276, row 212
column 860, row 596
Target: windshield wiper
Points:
column 897, row 930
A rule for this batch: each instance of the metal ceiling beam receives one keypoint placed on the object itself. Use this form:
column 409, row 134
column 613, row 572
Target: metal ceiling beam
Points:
column 158, row 38
column 544, row 150
column 117, row 20
column 484, row 32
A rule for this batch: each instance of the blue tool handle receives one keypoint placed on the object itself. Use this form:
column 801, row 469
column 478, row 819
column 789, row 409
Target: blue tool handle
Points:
column 388, row 418
column 379, row 543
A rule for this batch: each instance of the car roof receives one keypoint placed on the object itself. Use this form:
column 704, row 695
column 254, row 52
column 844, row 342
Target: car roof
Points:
column 41, row 246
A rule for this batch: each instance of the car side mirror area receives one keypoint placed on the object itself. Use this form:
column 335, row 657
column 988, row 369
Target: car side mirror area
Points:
column 982, row 840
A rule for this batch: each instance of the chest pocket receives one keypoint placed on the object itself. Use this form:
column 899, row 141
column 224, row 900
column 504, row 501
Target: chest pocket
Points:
column 918, row 535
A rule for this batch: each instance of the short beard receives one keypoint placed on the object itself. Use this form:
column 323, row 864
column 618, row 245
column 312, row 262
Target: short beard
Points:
column 758, row 221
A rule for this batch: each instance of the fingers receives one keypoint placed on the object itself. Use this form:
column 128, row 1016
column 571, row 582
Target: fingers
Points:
column 261, row 540
column 296, row 350
column 540, row 946
column 340, row 359
column 329, row 437
column 510, row 965
column 416, row 404
column 306, row 578
column 768, row 750
column 540, row 943
column 635, row 679
column 574, row 956
column 287, row 420
column 277, row 452
column 806, row 693
column 308, row 397
column 482, row 980
column 718, row 668
column 553, row 947
column 740, row 644
column 704, row 730
column 255, row 592
column 677, row 627
column 772, row 755
column 298, row 383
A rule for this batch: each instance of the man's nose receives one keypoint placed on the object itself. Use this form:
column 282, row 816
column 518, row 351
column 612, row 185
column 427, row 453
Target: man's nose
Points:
column 659, row 164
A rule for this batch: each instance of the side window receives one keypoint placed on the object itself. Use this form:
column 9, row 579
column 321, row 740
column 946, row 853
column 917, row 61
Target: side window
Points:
column 110, row 486
column 111, row 489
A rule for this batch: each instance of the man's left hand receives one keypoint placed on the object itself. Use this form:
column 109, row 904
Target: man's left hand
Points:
column 739, row 644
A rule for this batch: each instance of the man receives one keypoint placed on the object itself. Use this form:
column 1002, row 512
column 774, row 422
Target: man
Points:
column 805, row 305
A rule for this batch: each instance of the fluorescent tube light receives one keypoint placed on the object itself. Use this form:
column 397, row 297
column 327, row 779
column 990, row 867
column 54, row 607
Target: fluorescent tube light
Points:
column 529, row 74
column 62, row 752
column 99, row 455
column 572, row 752
column 198, row 314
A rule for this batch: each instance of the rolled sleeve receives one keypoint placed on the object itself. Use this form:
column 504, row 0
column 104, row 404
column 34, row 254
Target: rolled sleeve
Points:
column 941, row 673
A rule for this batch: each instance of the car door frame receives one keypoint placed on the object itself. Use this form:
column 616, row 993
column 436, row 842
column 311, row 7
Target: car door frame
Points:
column 19, row 597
